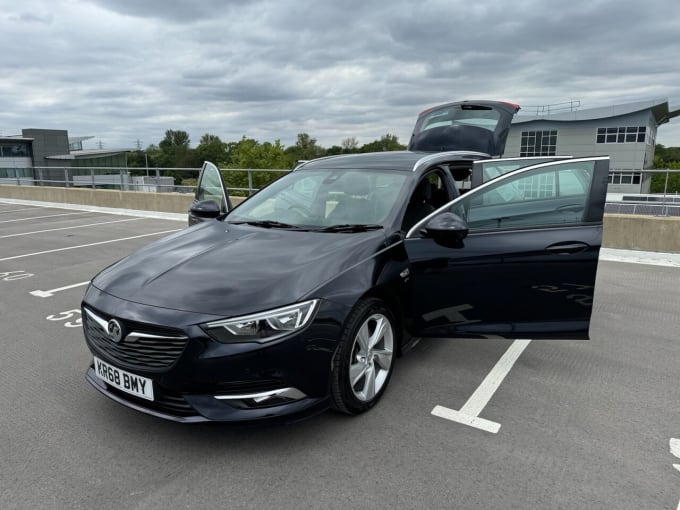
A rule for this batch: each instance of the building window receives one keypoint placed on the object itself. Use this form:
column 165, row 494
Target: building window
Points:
column 624, row 177
column 630, row 134
column 538, row 143
column 15, row 150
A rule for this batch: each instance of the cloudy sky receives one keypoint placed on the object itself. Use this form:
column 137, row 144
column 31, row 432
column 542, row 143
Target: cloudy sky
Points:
column 127, row 70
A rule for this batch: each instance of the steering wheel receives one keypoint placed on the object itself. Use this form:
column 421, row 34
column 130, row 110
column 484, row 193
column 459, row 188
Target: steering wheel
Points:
column 300, row 211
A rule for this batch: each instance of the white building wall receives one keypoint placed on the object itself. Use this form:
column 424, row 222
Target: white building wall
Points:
column 16, row 162
column 579, row 139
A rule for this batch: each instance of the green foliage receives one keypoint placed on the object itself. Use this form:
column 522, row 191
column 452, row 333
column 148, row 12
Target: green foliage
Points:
column 386, row 142
column 305, row 148
column 214, row 150
column 666, row 157
column 249, row 153
column 174, row 151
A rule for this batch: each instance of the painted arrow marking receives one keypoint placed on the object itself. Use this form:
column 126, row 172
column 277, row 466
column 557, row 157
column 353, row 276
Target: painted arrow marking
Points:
column 675, row 450
column 50, row 293
column 469, row 413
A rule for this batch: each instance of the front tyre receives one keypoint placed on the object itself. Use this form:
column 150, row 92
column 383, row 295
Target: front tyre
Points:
column 363, row 363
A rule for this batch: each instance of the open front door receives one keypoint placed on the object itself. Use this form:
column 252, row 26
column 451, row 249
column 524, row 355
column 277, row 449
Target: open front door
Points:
column 515, row 257
column 211, row 198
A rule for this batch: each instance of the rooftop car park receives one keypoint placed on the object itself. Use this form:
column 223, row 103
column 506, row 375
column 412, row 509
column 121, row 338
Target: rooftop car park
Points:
column 468, row 423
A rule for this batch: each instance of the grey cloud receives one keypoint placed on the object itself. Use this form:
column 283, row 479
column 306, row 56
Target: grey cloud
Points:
column 31, row 17
column 178, row 11
column 123, row 70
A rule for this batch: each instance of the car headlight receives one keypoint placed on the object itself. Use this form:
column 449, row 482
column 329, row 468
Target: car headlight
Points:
column 264, row 326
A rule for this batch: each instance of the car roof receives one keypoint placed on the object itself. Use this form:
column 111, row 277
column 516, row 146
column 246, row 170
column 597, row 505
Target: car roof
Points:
column 406, row 161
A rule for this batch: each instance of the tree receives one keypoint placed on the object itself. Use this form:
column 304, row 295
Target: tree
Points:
column 249, row 153
column 175, row 139
column 174, row 149
column 350, row 145
column 386, row 142
column 305, row 148
column 663, row 156
column 666, row 157
column 212, row 149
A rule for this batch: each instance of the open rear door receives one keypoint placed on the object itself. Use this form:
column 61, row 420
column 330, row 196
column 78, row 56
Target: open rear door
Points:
column 211, row 198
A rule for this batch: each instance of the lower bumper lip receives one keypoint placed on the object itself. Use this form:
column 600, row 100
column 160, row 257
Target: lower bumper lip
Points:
column 101, row 386
column 285, row 404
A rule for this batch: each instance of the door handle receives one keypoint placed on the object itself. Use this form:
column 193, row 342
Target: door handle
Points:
column 567, row 247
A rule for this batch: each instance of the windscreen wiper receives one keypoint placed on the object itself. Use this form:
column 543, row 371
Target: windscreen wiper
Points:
column 350, row 227
column 267, row 224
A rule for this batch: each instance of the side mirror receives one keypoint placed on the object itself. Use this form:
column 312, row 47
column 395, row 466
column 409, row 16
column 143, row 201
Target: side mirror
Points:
column 205, row 209
column 447, row 229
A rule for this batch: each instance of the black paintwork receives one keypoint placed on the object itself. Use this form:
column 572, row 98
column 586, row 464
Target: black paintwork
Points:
column 227, row 270
column 535, row 283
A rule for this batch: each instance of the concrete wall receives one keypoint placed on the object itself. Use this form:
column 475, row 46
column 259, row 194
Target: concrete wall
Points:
column 637, row 232
column 631, row 232
column 160, row 202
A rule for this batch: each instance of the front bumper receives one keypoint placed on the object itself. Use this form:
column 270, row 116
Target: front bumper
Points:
column 210, row 381
column 204, row 408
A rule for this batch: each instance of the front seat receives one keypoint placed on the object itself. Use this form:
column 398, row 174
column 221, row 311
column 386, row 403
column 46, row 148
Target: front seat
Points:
column 354, row 207
column 419, row 206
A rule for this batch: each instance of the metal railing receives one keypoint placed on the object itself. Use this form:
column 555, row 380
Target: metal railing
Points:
column 159, row 180
column 164, row 180
column 548, row 109
column 642, row 209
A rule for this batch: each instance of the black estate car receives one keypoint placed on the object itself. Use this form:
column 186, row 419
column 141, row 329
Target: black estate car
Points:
column 302, row 297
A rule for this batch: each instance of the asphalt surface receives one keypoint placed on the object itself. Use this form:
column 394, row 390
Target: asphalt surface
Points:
column 584, row 424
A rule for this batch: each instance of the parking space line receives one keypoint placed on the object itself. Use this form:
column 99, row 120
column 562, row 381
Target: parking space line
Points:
column 87, row 245
column 6, row 211
column 469, row 413
column 67, row 228
column 41, row 217
column 50, row 293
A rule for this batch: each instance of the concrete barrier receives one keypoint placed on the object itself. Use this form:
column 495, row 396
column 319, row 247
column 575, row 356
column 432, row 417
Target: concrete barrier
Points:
column 137, row 200
column 623, row 231
column 638, row 232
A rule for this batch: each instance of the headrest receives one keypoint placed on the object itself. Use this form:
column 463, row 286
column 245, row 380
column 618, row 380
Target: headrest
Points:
column 423, row 192
column 356, row 184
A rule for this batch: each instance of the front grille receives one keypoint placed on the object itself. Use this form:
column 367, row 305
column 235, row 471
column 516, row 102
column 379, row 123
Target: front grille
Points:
column 159, row 349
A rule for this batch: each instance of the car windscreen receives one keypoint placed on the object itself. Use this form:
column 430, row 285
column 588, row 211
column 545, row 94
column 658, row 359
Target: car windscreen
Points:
column 325, row 198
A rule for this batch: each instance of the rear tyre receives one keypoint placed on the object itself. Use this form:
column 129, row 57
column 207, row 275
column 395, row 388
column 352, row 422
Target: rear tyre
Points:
column 363, row 363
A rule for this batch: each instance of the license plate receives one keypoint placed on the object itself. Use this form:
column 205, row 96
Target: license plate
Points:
column 125, row 381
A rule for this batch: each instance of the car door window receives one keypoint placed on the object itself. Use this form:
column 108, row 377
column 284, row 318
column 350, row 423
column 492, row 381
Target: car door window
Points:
column 552, row 195
column 210, row 186
column 483, row 171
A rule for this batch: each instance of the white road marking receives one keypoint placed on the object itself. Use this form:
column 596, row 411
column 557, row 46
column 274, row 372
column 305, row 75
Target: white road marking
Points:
column 651, row 258
column 50, row 293
column 41, row 217
column 67, row 228
column 103, row 210
column 675, row 450
column 675, row 447
column 469, row 413
column 88, row 245
column 16, row 210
